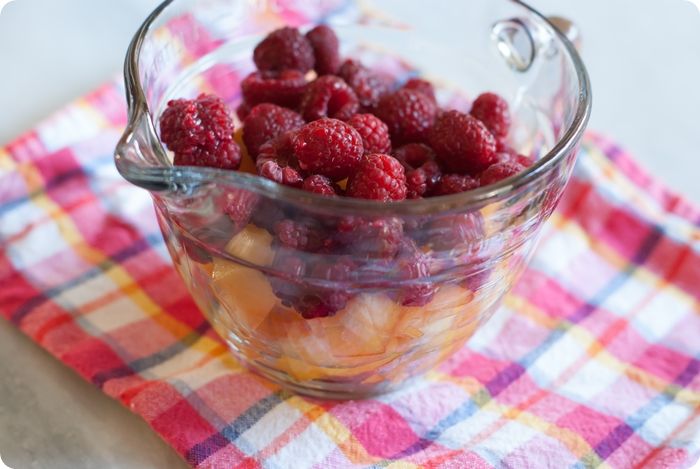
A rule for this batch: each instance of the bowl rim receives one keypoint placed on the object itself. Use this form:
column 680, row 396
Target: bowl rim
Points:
column 160, row 179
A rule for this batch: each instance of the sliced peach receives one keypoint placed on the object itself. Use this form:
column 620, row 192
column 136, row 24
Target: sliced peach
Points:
column 371, row 318
column 245, row 293
column 247, row 163
column 252, row 244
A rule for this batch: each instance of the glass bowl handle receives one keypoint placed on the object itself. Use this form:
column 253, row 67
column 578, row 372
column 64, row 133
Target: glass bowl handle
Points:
column 520, row 40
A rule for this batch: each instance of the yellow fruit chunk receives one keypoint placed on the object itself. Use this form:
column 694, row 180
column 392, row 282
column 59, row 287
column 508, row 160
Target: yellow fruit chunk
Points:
column 247, row 163
column 252, row 244
column 245, row 293
column 366, row 324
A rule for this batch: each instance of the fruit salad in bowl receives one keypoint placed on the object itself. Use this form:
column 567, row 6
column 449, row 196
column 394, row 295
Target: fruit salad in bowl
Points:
column 344, row 214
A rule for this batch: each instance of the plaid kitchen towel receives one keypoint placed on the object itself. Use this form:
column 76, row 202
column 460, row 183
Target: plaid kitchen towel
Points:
column 592, row 362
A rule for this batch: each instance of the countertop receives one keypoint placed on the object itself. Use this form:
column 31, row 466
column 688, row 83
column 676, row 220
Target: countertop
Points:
column 644, row 65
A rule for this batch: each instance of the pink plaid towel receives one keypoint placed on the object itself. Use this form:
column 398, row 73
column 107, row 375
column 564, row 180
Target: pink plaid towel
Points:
column 592, row 362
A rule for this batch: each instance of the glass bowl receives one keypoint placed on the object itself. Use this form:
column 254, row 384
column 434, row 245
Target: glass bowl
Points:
column 376, row 293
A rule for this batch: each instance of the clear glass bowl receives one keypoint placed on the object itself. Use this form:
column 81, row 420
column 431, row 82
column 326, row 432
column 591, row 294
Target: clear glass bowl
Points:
column 411, row 281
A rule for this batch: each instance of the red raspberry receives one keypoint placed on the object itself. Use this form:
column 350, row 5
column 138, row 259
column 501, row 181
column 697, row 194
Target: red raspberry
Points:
column 456, row 230
column 320, row 185
column 503, row 147
column 523, row 160
column 267, row 213
column 276, row 161
column 285, row 88
column 266, row 122
column 379, row 177
column 242, row 111
column 286, row 285
column 273, row 170
column 455, row 183
column 326, row 49
column 414, row 155
column 493, row 111
column 414, row 266
column 200, row 133
column 511, row 156
column 422, row 180
column 422, row 86
column 329, row 147
column 284, row 49
column 328, row 96
column 462, row 143
column 499, row 171
column 299, row 235
column 368, row 85
column 374, row 133
column 239, row 206
column 372, row 238
column 408, row 114
column 326, row 301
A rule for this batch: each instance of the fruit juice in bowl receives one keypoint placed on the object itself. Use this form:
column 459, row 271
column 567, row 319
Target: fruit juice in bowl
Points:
column 345, row 209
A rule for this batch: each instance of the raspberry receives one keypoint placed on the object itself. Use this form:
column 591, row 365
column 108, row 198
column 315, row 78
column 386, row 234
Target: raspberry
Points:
column 368, row 85
column 374, row 133
column 242, row 111
column 416, row 184
column 408, row 114
column 477, row 280
column 373, row 238
column 523, row 160
column 329, row 147
column 414, row 266
column 422, row 180
column 422, row 86
column 267, row 213
column 282, row 49
column 379, row 177
column 320, row 185
column 266, row 122
column 450, row 231
column 285, row 88
column 286, row 285
column 499, row 171
column 273, row 170
column 414, row 155
column 239, row 206
column 299, row 236
column 462, row 143
column 324, row 301
column 200, row 133
column 503, row 147
column 511, row 156
column 276, row 161
column 493, row 111
column 326, row 49
column 455, row 183
column 328, row 96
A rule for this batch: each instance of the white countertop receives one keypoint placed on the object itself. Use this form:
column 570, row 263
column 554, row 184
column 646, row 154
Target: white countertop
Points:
column 644, row 65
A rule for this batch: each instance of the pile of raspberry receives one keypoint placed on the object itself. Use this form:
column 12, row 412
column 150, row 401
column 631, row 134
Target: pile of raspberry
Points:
column 340, row 129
